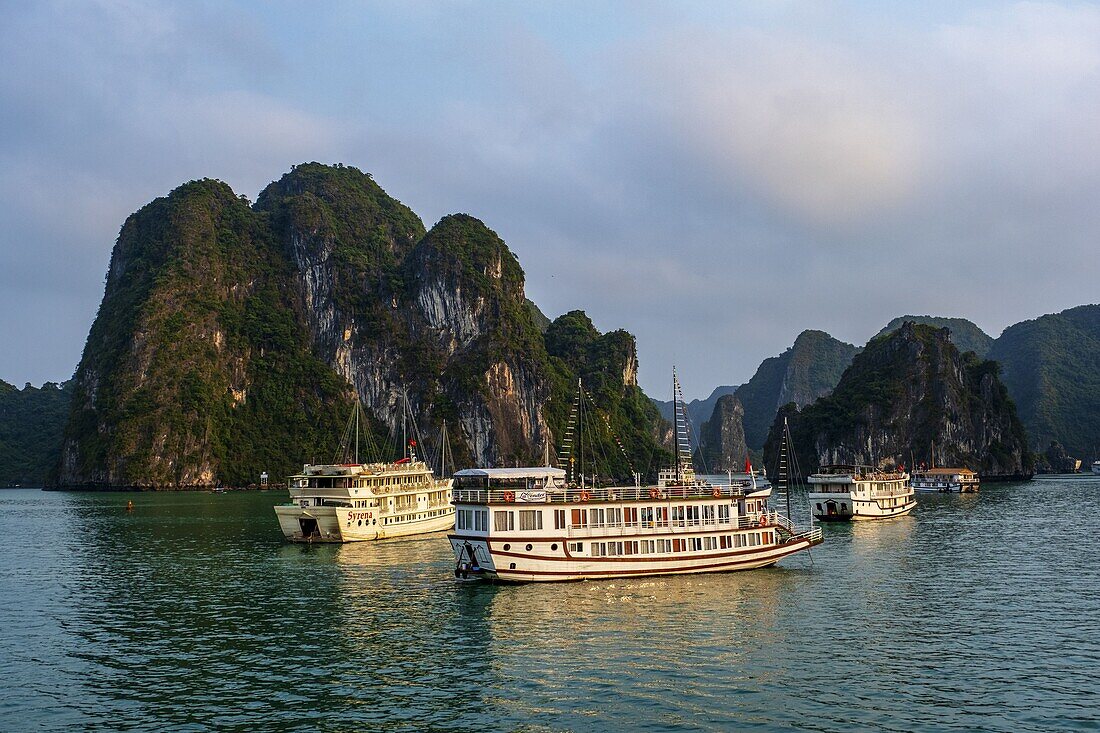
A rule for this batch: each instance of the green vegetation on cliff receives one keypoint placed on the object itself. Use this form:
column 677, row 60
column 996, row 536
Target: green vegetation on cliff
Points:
column 197, row 368
column 31, row 422
column 964, row 334
column 607, row 367
column 906, row 389
column 1051, row 366
column 231, row 339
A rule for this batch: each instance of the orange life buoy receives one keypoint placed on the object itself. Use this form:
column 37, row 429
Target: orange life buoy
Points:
column 716, row 493
column 509, row 496
column 585, row 496
column 763, row 520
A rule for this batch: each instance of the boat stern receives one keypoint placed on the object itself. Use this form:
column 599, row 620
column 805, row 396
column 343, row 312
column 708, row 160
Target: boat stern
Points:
column 473, row 561
column 309, row 524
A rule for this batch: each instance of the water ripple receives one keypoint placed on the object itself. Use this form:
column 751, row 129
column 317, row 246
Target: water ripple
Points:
column 976, row 613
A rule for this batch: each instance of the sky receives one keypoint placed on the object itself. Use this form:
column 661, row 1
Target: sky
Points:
column 713, row 177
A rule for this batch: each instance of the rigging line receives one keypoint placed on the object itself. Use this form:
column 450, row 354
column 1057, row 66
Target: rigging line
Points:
column 610, row 431
column 417, row 436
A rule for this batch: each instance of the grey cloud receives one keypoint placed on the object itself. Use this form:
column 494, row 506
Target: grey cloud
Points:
column 713, row 188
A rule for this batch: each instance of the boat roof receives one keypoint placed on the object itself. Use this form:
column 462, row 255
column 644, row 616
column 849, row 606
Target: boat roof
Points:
column 946, row 471
column 522, row 472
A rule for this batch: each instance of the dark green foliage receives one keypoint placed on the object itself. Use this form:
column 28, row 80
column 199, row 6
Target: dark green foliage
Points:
column 197, row 368
column 809, row 369
column 540, row 319
column 212, row 356
column 606, row 365
column 1051, row 366
column 31, row 422
column 906, row 389
column 964, row 334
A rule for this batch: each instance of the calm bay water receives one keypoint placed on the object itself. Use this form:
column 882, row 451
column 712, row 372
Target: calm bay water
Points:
column 975, row 613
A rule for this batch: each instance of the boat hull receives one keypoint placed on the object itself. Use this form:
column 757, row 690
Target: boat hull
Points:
column 845, row 508
column 340, row 524
column 550, row 561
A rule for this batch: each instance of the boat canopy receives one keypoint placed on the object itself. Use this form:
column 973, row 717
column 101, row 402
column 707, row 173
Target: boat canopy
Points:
column 538, row 472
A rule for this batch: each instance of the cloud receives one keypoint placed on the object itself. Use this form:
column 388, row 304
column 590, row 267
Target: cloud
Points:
column 713, row 179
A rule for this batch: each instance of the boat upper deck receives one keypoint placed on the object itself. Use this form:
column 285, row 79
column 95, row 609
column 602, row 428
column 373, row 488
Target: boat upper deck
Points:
column 839, row 474
column 547, row 486
column 377, row 478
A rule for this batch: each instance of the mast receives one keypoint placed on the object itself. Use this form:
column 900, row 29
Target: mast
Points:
column 404, row 414
column 443, row 449
column 675, row 425
column 580, row 427
column 357, row 409
column 680, row 427
column 785, row 471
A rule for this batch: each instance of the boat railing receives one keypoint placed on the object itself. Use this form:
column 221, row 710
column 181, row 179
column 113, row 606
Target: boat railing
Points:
column 888, row 493
column 812, row 533
column 580, row 496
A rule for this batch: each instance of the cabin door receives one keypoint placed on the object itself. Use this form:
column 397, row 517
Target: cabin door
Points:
column 309, row 526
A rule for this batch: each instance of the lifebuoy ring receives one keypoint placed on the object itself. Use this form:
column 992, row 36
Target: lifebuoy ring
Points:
column 585, row 496
column 763, row 520
column 654, row 494
column 716, row 492
column 509, row 496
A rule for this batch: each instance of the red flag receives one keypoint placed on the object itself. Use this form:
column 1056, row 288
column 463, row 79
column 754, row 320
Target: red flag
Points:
column 412, row 442
column 748, row 466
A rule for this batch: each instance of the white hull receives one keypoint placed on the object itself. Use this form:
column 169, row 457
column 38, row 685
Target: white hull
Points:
column 339, row 524
column 949, row 488
column 548, row 560
column 845, row 507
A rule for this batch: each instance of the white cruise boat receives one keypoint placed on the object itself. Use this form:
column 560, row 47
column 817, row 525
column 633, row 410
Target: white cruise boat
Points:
column 532, row 524
column 944, row 480
column 1096, row 467
column 352, row 502
column 843, row 493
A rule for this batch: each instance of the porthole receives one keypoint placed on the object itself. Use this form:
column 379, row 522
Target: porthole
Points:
column 507, row 547
column 512, row 566
column 554, row 546
column 528, row 548
column 360, row 522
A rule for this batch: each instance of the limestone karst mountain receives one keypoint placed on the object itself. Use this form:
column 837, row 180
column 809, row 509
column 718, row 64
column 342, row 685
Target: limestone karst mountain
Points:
column 232, row 338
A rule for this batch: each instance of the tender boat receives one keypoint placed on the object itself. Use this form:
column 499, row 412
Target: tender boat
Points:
column 352, row 502
column 843, row 493
column 542, row 524
column 945, row 480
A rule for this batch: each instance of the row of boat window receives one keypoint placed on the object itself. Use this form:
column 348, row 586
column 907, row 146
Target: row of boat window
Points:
column 661, row 547
column 532, row 519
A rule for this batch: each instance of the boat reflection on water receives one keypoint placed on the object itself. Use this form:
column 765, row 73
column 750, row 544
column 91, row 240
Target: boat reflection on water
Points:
column 406, row 553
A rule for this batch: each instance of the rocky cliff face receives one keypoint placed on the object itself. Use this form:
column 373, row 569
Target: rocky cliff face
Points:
column 905, row 390
column 232, row 338
column 722, row 438
column 804, row 372
column 964, row 334
column 197, row 368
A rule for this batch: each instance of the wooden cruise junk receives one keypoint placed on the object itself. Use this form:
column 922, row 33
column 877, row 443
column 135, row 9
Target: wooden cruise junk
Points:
column 847, row 492
column 551, row 524
column 351, row 502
